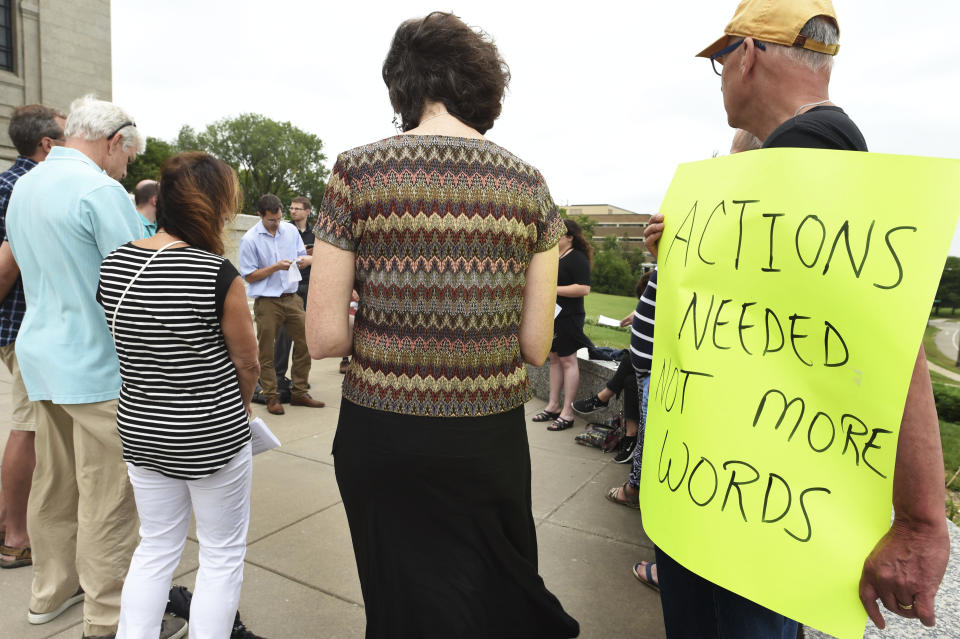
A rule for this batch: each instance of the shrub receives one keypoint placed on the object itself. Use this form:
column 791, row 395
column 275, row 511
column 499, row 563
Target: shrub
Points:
column 947, row 399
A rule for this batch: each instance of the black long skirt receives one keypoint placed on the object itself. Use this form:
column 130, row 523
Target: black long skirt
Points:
column 444, row 537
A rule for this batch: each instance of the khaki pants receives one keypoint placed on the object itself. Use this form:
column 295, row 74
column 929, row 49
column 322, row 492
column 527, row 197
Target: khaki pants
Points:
column 81, row 517
column 22, row 413
column 271, row 313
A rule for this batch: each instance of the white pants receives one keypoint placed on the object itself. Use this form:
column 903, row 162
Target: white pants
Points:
column 221, row 503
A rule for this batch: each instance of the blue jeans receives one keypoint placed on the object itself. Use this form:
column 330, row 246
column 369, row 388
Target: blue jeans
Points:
column 694, row 608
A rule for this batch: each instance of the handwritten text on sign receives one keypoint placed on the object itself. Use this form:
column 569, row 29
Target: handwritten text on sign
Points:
column 793, row 289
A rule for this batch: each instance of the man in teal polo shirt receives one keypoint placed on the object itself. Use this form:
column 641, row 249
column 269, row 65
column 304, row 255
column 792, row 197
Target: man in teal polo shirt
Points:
column 64, row 217
column 145, row 199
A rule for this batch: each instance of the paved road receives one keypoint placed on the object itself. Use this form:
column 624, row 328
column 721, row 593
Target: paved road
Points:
column 948, row 337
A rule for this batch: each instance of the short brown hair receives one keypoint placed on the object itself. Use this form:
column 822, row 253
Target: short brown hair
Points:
column 305, row 201
column 197, row 194
column 30, row 124
column 144, row 191
column 268, row 203
column 440, row 58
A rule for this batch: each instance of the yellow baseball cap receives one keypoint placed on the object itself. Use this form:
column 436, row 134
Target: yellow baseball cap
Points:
column 776, row 21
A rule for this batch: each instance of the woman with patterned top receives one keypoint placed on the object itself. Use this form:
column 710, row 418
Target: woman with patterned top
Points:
column 450, row 241
column 573, row 284
column 188, row 359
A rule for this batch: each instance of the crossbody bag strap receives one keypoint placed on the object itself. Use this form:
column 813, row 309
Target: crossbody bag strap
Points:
column 113, row 319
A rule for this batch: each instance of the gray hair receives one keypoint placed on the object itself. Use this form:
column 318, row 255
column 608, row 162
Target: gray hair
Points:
column 821, row 29
column 30, row 124
column 93, row 119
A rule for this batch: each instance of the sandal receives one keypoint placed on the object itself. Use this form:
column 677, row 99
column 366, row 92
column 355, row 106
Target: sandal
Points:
column 613, row 495
column 645, row 576
column 21, row 557
column 560, row 424
column 545, row 416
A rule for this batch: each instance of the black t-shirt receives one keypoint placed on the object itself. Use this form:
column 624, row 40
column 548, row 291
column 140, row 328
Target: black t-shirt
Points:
column 574, row 269
column 822, row 127
column 308, row 240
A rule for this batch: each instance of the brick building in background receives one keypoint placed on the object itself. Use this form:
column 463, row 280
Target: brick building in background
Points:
column 611, row 220
column 51, row 52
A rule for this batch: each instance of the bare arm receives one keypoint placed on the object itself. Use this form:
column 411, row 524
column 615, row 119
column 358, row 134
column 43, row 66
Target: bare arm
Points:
column 573, row 290
column 237, row 327
column 8, row 270
column 329, row 333
column 908, row 563
column 539, row 301
column 267, row 271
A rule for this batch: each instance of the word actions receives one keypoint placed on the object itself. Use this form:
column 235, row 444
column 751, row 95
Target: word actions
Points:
column 813, row 244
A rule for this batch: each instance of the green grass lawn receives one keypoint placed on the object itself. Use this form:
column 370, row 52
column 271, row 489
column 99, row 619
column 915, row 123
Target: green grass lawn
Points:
column 950, row 438
column 615, row 306
column 937, row 378
column 933, row 353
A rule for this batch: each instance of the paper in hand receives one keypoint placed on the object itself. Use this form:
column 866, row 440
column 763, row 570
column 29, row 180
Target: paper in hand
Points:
column 293, row 273
column 262, row 438
column 603, row 320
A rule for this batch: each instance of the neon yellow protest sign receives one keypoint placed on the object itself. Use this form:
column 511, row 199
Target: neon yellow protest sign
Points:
column 793, row 290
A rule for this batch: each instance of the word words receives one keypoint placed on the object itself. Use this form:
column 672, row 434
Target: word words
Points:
column 703, row 485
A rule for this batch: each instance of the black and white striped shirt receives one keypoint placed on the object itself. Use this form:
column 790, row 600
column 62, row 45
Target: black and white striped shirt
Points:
column 180, row 410
column 641, row 333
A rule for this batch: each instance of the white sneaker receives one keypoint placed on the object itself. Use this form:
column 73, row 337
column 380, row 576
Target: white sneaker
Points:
column 37, row 618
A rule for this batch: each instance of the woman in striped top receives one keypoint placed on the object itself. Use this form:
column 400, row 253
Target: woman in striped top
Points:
column 188, row 359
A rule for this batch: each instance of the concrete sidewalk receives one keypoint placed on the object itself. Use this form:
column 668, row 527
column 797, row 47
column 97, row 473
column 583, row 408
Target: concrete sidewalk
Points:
column 300, row 579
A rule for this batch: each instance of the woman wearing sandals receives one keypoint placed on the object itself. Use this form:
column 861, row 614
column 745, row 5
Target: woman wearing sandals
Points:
column 188, row 359
column 450, row 241
column 573, row 284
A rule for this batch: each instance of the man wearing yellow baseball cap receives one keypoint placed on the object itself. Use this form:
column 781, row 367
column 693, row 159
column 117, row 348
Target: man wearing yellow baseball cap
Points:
column 774, row 61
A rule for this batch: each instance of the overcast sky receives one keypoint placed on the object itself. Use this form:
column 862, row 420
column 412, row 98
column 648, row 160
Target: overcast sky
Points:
column 606, row 97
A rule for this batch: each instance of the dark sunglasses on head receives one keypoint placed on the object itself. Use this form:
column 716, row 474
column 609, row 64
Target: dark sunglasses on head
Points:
column 122, row 126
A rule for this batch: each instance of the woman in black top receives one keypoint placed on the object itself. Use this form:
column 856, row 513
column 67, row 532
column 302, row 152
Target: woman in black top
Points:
column 573, row 284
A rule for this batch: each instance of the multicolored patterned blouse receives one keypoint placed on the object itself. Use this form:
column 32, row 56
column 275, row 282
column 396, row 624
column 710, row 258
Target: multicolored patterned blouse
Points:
column 443, row 229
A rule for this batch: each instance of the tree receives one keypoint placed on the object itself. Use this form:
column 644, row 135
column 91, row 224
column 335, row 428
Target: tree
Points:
column 147, row 165
column 269, row 156
column 948, row 293
column 611, row 272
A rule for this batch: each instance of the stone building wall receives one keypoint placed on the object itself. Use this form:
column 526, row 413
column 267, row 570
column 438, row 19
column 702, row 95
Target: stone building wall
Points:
column 62, row 50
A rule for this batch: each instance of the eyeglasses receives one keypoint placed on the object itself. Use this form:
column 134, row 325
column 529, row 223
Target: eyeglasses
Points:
column 717, row 58
column 297, row 208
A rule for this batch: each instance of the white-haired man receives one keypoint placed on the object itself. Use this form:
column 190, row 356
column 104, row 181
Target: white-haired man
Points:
column 64, row 217
column 774, row 62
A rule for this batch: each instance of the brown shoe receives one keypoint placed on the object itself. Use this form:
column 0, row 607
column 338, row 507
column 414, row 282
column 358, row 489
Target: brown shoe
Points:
column 305, row 400
column 274, row 406
column 344, row 365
